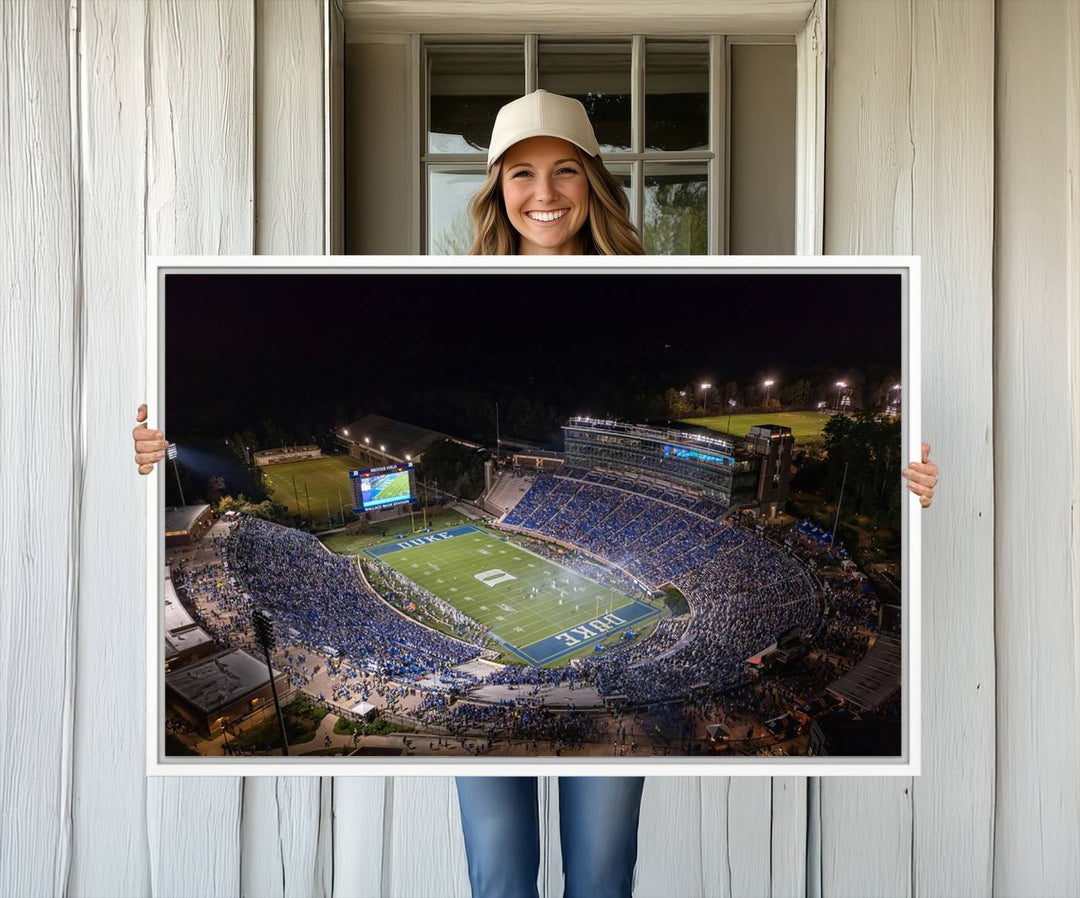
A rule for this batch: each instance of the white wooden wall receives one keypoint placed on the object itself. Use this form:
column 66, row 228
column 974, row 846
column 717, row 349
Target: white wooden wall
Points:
column 200, row 127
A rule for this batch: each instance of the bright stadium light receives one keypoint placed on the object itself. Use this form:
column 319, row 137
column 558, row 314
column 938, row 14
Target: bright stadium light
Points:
column 408, row 457
column 382, row 448
column 705, row 401
column 367, row 440
column 840, row 385
column 346, row 431
column 768, row 389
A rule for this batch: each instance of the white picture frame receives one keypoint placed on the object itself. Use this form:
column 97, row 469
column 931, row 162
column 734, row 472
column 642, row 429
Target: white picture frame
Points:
column 908, row 763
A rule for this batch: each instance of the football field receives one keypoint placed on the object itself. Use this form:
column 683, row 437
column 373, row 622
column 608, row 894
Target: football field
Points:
column 806, row 427
column 324, row 482
column 539, row 611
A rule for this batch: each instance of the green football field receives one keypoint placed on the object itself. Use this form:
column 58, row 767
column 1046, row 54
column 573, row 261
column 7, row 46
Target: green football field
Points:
column 527, row 601
column 324, row 480
column 806, row 427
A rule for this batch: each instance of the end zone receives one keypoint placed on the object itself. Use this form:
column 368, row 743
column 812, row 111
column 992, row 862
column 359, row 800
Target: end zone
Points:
column 425, row 539
column 592, row 631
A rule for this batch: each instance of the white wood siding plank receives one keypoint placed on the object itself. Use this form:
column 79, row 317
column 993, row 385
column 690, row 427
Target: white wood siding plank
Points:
column 334, row 126
column 753, row 837
column 424, row 851
column 670, row 839
column 749, row 835
column 282, row 815
column 199, row 197
column 909, row 170
column 280, row 837
column 40, row 443
column 788, row 852
column 868, row 194
column 193, row 829
column 360, row 806
column 289, row 132
column 200, row 186
column 111, row 854
column 1037, row 819
column 952, row 128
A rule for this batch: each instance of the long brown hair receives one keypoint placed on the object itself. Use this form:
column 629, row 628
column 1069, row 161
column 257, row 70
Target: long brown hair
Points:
column 608, row 230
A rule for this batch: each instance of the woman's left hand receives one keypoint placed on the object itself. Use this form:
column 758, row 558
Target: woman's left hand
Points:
column 922, row 477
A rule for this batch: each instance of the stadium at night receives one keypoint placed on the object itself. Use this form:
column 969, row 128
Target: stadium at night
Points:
column 536, row 587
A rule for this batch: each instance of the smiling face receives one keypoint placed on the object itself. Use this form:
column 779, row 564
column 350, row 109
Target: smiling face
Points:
column 546, row 195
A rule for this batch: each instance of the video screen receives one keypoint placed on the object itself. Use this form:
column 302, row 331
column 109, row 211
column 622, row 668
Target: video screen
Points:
column 382, row 487
column 671, row 451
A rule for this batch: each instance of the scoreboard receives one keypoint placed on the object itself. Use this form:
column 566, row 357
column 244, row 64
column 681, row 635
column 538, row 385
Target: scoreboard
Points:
column 383, row 487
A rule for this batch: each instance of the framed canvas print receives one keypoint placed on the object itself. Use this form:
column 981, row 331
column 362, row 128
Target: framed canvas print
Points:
column 579, row 515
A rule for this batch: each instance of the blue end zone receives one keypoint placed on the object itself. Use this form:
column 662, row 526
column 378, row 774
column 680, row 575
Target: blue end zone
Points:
column 423, row 540
column 569, row 641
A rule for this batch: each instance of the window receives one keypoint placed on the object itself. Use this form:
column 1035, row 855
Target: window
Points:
column 718, row 141
column 660, row 108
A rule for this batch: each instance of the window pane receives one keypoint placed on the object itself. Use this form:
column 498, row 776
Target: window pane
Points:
column 449, row 191
column 623, row 175
column 467, row 84
column 676, row 209
column 597, row 74
column 676, row 95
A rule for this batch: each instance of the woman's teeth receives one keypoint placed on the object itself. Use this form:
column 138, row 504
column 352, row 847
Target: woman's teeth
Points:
column 546, row 216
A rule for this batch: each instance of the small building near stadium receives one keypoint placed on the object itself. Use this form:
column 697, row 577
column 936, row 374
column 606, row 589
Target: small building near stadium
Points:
column 376, row 440
column 226, row 688
column 186, row 524
column 185, row 641
column 285, row 454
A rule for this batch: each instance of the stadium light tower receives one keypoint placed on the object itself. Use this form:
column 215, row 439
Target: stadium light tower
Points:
column 768, row 388
column 264, row 636
column 730, row 406
column 171, row 452
column 705, row 402
column 840, row 387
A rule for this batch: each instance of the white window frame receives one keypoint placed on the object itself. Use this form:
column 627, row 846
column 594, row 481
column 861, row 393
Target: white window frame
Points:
column 809, row 42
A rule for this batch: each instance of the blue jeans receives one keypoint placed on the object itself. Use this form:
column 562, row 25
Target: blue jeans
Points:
column 598, row 822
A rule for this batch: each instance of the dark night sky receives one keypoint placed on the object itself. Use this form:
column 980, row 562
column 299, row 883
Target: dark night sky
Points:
column 240, row 348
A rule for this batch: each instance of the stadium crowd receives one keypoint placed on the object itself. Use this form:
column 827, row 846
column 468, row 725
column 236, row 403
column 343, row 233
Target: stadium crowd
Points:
column 508, row 720
column 317, row 598
column 743, row 590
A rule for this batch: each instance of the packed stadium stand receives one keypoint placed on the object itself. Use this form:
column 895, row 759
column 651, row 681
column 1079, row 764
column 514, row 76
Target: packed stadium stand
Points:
column 319, row 597
column 742, row 589
column 651, row 507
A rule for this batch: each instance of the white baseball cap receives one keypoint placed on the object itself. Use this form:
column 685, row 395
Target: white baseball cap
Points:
column 541, row 114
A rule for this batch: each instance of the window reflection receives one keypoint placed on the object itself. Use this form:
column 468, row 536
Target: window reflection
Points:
column 467, row 85
column 598, row 75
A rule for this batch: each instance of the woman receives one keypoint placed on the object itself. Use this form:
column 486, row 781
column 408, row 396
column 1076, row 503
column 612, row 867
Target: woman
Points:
column 547, row 193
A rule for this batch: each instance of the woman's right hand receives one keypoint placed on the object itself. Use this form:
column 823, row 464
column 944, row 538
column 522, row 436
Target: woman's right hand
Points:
column 150, row 445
